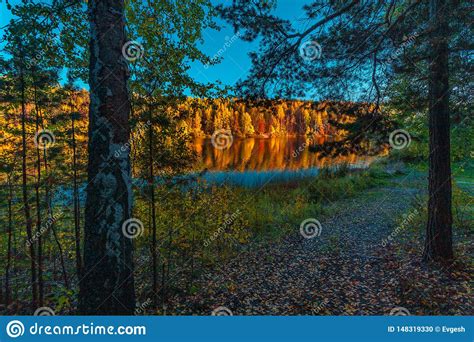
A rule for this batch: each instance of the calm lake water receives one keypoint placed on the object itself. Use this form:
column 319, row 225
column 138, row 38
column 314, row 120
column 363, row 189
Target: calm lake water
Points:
column 253, row 162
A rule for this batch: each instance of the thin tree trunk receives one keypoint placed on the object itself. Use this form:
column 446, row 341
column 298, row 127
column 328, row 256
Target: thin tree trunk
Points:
column 153, row 208
column 438, row 245
column 168, row 265
column 9, row 246
column 163, row 283
column 50, row 211
column 26, row 205
column 38, row 209
column 77, row 209
column 193, row 252
column 14, row 268
column 61, row 254
column 39, row 240
column 108, row 286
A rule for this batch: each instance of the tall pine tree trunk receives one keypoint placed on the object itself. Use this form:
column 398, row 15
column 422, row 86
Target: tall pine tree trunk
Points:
column 438, row 245
column 108, row 284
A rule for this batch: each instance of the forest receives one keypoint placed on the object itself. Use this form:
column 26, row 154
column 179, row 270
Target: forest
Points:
column 333, row 177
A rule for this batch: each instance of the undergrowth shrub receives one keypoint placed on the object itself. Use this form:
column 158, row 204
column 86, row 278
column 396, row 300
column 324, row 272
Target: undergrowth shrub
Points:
column 462, row 210
column 332, row 185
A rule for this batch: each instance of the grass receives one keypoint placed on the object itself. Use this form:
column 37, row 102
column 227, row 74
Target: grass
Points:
column 280, row 207
column 413, row 221
column 331, row 187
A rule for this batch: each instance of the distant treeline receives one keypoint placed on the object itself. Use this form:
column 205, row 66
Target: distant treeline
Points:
column 61, row 114
column 267, row 118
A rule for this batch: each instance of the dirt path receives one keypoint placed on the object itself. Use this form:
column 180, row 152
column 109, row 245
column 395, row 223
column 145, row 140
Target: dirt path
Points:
column 344, row 271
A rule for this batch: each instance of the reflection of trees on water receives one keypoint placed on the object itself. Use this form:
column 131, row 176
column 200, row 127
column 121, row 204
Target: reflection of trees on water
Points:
column 271, row 154
column 341, row 132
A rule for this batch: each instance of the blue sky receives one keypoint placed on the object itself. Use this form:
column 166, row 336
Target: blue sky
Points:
column 235, row 61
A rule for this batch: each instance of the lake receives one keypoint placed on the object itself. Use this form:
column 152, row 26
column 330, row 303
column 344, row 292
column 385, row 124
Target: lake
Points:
column 253, row 162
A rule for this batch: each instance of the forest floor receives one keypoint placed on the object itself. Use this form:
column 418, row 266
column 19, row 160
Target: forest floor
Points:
column 352, row 268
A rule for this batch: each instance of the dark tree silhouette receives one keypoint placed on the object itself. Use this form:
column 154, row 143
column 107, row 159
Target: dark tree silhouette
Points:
column 108, row 283
column 439, row 231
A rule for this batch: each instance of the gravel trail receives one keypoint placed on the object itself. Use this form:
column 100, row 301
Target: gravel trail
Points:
column 342, row 271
